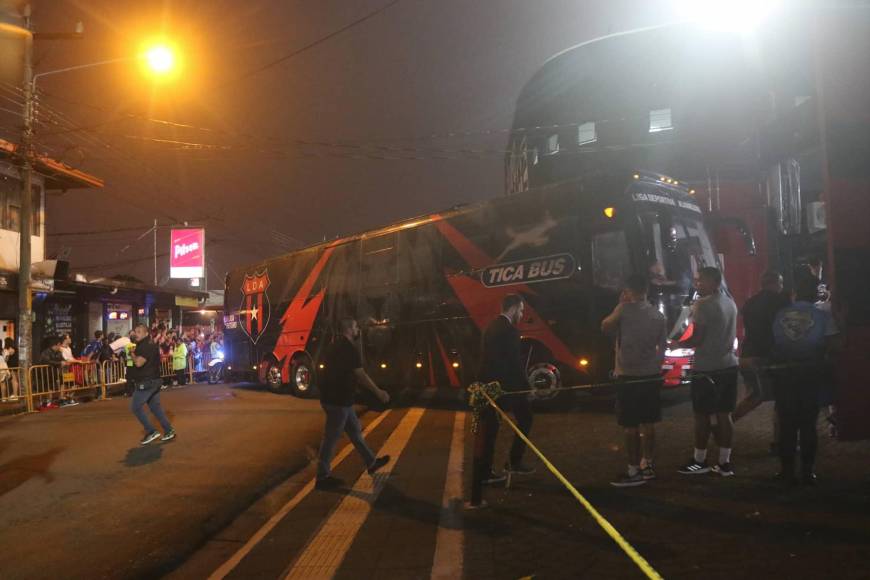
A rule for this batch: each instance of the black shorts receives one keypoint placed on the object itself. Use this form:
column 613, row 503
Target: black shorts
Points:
column 638, row 401
column 714, row 391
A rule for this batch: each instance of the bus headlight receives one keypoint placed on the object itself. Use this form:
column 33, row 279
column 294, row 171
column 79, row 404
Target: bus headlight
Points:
column 678, row 352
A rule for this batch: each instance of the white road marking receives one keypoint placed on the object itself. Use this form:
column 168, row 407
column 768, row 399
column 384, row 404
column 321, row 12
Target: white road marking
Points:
column 325, row 552
column 230, row 564
column 447, row 563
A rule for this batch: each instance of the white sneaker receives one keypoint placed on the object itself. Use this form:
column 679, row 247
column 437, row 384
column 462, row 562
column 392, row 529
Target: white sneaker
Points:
column 150, row 437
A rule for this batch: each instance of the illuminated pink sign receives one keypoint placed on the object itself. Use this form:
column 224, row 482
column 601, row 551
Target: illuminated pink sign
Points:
column 187, row 253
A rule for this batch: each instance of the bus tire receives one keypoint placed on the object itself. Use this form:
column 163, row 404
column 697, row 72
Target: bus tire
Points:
column 544, row 378
column 302, row 377
column 271, row 375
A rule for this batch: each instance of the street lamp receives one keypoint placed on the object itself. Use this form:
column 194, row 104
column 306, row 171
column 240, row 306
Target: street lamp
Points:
column 725, row 15
column 160, row 61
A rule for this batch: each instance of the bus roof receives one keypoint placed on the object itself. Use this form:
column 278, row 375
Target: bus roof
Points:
column 661, row 182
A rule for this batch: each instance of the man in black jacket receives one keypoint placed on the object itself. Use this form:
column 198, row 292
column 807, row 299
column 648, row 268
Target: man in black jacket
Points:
column 501, row 360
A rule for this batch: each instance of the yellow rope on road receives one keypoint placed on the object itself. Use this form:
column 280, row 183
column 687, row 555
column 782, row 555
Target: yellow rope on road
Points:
column 641, row 562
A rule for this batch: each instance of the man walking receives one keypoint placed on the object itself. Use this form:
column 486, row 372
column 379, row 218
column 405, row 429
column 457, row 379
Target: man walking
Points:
column 640, row 333
column 714, row 372
column 758, row 314
column 501, row 361
column 343, row 371
column 802, row 332
column 144, row 376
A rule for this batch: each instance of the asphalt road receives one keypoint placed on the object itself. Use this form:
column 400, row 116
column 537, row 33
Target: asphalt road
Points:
column 79, row 498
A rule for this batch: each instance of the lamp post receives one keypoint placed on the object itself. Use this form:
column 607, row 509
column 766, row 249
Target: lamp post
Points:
column 160, row 60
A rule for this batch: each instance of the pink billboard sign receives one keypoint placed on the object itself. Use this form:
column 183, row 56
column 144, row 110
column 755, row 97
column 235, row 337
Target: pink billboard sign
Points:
column 187, row 253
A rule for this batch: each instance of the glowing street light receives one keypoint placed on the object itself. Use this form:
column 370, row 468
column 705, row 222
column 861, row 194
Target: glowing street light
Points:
column 160, row 59
column 726, row 15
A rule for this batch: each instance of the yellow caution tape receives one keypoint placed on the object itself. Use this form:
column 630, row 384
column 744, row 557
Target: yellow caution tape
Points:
column 641, row 562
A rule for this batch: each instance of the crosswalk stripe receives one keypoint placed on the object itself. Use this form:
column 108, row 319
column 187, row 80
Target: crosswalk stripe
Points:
column 447, row 563
column 230, row 564
column 325, row 552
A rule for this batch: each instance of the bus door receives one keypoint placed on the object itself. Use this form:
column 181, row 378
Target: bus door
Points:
column 610, row 259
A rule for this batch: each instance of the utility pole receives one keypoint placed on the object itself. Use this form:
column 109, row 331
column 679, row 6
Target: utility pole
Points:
column 27, row 154
column 155, row 252
column 25, row 303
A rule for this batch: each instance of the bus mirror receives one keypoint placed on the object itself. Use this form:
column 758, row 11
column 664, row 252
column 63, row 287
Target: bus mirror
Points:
column 741, row 228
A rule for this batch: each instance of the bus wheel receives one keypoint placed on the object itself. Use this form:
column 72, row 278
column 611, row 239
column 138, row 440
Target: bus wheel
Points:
column 302, row 377
column 272, row 375
column 544, row 379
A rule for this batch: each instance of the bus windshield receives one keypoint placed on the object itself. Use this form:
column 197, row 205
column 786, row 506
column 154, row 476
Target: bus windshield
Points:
column 676, row 246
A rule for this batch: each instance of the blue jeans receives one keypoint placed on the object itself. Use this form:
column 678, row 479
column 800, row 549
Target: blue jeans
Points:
column 148, row 392
column 338, row 420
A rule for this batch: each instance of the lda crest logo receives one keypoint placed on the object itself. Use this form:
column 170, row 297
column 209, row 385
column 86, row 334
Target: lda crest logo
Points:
column 255, row 309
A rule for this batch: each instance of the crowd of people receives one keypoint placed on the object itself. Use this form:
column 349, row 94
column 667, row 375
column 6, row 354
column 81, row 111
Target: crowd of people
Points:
column 784, row 358
column 189, row 349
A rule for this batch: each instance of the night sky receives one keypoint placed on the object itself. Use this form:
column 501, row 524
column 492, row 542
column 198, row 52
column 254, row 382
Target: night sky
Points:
column 241, row 166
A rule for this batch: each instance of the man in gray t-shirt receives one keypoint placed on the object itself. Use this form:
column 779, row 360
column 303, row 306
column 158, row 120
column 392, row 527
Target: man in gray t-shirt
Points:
column 714, row 380
column 640, row 333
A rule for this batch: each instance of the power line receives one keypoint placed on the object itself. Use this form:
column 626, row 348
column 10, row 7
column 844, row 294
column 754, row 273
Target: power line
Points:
column 308, row 46
column 188, row 223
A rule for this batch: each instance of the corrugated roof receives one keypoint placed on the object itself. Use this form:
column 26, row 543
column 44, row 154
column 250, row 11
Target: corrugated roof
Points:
column 57, row 175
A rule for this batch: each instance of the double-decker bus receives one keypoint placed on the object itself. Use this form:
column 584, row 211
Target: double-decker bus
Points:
column 423, row 289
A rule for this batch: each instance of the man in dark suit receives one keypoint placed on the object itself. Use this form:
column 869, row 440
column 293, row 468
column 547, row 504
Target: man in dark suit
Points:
column 501, row 360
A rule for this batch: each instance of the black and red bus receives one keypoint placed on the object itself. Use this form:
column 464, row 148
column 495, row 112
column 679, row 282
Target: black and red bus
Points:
column 423, row 289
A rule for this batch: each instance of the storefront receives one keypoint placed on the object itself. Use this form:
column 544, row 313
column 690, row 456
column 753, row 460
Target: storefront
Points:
column 80, row 306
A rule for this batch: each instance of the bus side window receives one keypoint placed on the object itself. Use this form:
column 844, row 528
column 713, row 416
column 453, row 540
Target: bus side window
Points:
column 379, row 264
column 611, row 261
column 378, row 300
column 419, row 273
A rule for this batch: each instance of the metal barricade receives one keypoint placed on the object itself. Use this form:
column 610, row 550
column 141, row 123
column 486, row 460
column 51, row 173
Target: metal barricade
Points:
column 114, row 374
column 44, row 382
column 166, row 366
column 13, row 387
column 48, row 382
column 82, row 376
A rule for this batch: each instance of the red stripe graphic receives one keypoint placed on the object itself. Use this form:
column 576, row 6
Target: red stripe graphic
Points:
column 298, row 319
column 483, row 304
column 451, row 373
